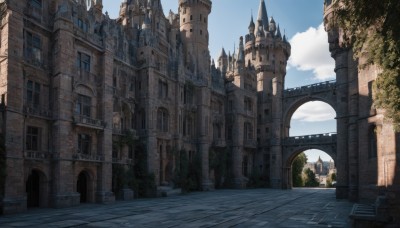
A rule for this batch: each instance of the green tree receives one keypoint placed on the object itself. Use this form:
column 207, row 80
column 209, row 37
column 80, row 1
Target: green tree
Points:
column 372, row 29
column 310, row 179
column 331, row 178
column 297, row 169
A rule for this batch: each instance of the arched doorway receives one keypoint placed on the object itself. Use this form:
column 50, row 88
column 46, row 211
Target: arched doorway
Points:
column 36, row 189
column 33, row 189
column 82, row 186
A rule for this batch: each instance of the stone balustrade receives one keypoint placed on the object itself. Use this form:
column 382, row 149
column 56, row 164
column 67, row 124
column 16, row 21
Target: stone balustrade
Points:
column 310, row 89
column 88, row 157
column 89, row 122
column 40, row 155
column 37, row 111
column 310, row 139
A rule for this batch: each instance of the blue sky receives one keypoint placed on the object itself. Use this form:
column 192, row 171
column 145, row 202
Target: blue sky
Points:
column 309, row 63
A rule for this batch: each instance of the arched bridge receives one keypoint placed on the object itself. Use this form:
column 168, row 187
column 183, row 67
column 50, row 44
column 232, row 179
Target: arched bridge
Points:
column 295, row 97
column 292, row 146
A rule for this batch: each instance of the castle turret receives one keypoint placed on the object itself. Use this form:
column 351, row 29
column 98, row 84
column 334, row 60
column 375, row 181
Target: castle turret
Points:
column 223, row 61
column 194, row 30
column 272, row 25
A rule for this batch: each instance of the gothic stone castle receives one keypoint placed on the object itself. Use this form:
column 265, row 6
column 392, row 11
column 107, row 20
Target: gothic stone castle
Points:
column 75, row 84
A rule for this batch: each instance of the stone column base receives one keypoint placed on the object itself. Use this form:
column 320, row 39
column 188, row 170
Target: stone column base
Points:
column 14, row 205
column 105, row 197
column 66, row 200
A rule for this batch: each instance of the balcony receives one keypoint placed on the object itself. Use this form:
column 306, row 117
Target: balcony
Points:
column 38, row 111
column 37, row 155
column 88, row 157
column 250, row 143
column 85, row 121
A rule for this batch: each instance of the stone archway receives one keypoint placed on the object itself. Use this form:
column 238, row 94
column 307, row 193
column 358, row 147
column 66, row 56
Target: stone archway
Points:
column 294, row 98
column 290, row 153
column 36, row 189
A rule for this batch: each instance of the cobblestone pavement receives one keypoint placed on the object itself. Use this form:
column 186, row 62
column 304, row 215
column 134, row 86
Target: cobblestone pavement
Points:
column 223, row 208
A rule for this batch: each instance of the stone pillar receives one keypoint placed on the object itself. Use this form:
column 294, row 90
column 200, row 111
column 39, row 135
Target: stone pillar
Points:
column 203, row 122
column 342, row 116
column 237, row 158
column 12, row 86
column 276, row 146
column 153, row 158
column 353, row 128
column 286, row 177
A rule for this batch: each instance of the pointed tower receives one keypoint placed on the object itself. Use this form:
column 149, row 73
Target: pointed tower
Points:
column 262, row 19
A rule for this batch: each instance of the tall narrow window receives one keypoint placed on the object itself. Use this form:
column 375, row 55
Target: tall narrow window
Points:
column 32, row 94
column 162, row 120
column 248, row 131
column 33, row 48
column 373, row 144
column 33, row 138
column 162, row 89
column 84, row 142
column 83, row 105
column 84, row 61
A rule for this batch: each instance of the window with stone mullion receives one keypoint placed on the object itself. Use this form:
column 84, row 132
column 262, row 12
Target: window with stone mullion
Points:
column 84, row 142
column 33, row 94
column 83, row 106
column 33, row 51
column 33, row 138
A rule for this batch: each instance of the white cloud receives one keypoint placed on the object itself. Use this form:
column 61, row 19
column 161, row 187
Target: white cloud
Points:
column 310, row 51
column 316, row 111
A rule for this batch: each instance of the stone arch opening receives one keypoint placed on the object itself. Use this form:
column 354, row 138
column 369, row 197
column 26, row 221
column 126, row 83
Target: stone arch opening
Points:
column 290, row 157
column 84, row 187
column 36, row 189
column 298, row 104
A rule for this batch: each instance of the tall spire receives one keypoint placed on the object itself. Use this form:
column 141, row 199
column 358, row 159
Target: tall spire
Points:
column 262, row 16
column 252, row 25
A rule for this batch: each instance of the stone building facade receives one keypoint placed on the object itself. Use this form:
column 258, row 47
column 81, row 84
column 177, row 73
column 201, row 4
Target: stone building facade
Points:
column 75, row 83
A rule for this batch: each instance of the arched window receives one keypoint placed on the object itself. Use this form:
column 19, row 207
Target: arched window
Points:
column 372, row 142
column 248, row 131
column 162, row 120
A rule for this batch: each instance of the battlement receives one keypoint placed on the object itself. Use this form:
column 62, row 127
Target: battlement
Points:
column 206, row 3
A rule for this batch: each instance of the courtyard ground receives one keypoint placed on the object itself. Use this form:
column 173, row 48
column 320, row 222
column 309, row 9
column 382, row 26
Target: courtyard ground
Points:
column 222, row 208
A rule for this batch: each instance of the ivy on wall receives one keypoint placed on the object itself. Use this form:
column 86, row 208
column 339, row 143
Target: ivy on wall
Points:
column 187, row 175
column 372, row 28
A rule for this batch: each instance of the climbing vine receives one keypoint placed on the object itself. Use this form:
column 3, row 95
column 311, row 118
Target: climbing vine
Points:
column 372, row 28
column 221, row 162
column 187, row 173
